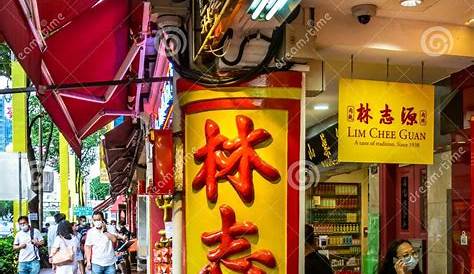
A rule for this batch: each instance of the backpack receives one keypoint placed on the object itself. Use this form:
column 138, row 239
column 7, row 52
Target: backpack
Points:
column 42, row 257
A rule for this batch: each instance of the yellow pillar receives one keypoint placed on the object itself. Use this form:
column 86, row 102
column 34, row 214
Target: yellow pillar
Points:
column 19, row 109
column 64, row 204
column 18, row 77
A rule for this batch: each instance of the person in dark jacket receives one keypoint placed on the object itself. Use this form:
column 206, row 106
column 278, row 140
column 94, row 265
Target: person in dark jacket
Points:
column 315, row 263
column 401, row 258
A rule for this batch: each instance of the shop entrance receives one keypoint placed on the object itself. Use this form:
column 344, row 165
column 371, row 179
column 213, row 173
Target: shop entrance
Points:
column 404, row 207
column 411, row 203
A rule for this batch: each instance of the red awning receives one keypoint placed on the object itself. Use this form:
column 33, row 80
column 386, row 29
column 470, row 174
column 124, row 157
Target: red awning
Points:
column 105, row 204
column 80, row 41
column 123, row 146
column 119, row 201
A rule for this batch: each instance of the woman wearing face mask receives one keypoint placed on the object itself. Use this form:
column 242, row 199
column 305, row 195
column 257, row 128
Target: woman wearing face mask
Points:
column 401, row 258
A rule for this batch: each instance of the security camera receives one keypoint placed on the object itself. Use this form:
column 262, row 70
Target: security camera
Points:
column 364, row 12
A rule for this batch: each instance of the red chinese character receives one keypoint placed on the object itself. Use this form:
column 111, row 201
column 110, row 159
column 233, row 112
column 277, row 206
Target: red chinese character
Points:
column 408, row 116
column 244, row 159
column 364, row 115
column 213, row 158
column 386, row 116
column 232, row 242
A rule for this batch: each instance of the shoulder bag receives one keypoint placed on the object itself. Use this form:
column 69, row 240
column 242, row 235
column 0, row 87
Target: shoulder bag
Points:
column 64, row 255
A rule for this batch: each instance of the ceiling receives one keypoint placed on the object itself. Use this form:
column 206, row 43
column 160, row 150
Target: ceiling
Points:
column 335, row 45
column 443, row 11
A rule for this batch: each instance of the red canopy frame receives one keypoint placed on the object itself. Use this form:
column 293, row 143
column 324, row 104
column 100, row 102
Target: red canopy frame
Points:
column 59, row 42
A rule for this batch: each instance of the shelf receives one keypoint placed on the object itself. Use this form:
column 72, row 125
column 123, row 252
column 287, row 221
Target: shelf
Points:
column 344, row 267
column 330, row 222
column 335, row 208
column 337, row 233
column 352, row 196
column 342, row 255
column 339, row 246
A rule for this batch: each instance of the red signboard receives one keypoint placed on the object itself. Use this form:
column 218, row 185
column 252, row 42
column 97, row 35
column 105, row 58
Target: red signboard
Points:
column 163, row 175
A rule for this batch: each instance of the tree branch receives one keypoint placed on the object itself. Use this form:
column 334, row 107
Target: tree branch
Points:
column 48, row 144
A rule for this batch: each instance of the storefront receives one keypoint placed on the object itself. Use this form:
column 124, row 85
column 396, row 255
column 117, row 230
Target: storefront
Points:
column 210, row 164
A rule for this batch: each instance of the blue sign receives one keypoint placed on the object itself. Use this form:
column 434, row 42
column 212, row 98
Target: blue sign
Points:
column 83, row 211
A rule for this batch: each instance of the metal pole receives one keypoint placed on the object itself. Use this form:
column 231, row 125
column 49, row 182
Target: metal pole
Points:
column 87, row 84
column 40, row 170
column 20, row 190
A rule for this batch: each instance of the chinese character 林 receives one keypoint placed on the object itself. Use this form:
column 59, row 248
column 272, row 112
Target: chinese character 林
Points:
column 364, row 115
column 224, row 158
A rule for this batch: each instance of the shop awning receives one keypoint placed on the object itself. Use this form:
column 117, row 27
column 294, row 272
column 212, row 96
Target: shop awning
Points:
column 123, row 146
column 105, row 204
column 120, row 200
column 65, row 42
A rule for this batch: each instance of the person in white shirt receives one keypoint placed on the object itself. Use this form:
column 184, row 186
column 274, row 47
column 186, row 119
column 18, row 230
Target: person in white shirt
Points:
column 52, row 231
column 66, row 240
column 99, row 247
column 28, row 241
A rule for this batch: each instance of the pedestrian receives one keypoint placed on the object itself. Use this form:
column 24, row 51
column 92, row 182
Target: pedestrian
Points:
column 123, row 231
column 83, row 225
column 28, row 241
column 112, row 228
column 401, row 258
column 314, row 262
column 45, row 228
column 100, row 254
column 67, row 242
column 80, row 254
column 52, row 231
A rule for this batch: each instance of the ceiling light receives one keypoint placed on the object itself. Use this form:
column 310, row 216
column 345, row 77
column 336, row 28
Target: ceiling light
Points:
column 265, row 10
column 259, row 9
column 470, row 22
column 321, row 107
column 410, row 3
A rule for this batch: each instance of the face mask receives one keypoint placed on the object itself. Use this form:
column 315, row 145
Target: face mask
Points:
column 98, row 224
column 410, row 263
column 25, row 228
column 82, row 223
